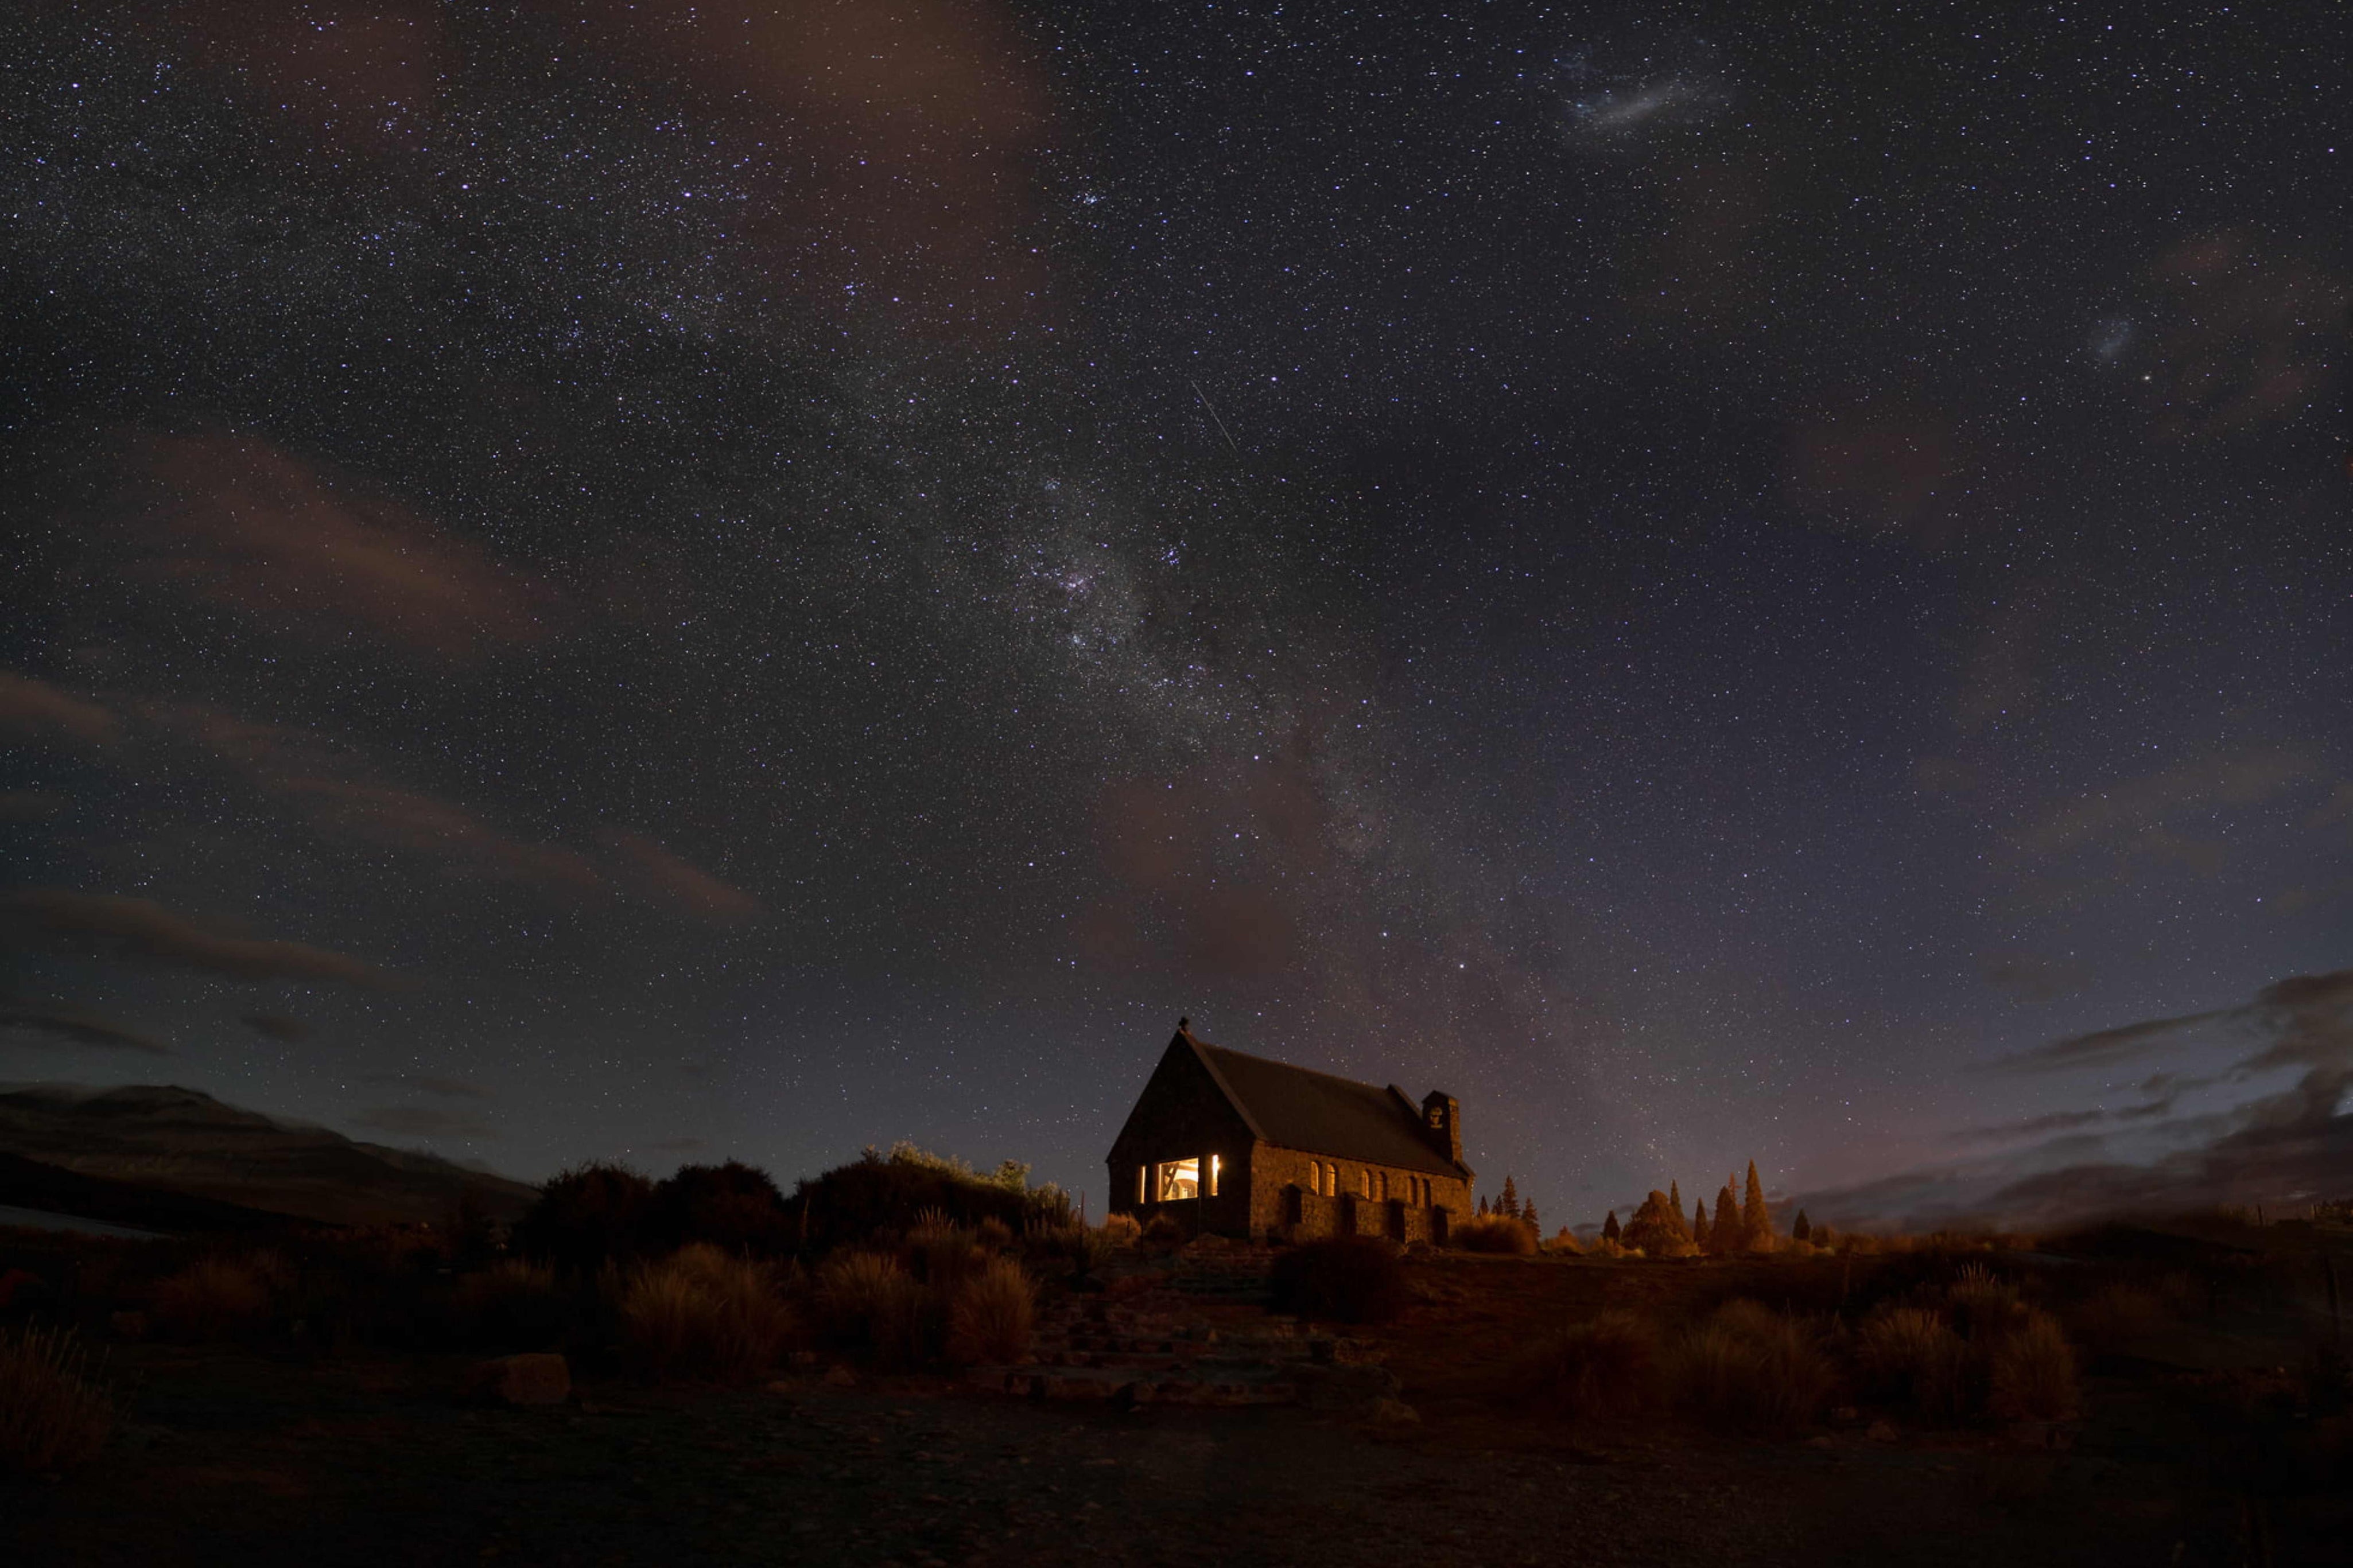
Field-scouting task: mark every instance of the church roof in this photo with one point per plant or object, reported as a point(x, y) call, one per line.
point(1318, 1113)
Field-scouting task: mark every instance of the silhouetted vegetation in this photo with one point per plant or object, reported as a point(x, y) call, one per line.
point(587, 1217)
point(53, 1415)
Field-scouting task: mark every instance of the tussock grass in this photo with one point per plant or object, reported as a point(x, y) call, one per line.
point(1122, 1227)
point(2034, 1371)
point(1912, 1355)
point(1605, 1367)
point(991, 1313)
point(214, 1298)
point(1494, 1233)
point(993, 1234)
point(867, 1302)
point(1750, 1367)
point(52, 1415)
point(700, 1314)
point(513, 1302)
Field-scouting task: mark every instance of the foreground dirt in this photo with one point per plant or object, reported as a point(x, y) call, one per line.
point(237, 1456)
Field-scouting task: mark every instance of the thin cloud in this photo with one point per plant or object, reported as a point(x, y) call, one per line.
point(2138, 808)
point(144, 929)
point(301, 550)
point(77, 1027)
point(420, 1121)
point(38, 711)
point(665, 877)
point(425, 1083)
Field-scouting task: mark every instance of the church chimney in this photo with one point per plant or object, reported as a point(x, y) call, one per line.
point(1441, 1122)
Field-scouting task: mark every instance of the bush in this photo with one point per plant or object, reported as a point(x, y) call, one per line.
point(1163, 1229)
point(587, 1217)
point(993, 1234)
point(1347, 1280)
point(733, 1207)
point(52, 1416)
point(1563, 1242)
point(212, 1298)
point(1494, 1233)
point(2033, 1373)
point(2113, 1315)
point(1761, 1371)
point(851, 1205)
point(701, 1313)
point(1981, 1302)
point(513, 1304)
point(990, 1314)
point(1912, 1354)
point(1605, 1367)
point(867, 1304)
point(1122, 1227)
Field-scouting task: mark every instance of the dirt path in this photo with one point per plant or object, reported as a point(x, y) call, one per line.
point(233, 1457)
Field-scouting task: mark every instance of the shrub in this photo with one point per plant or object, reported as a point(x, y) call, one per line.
point(1605, 1367)
point(513, 1304)
point(1981, 1301)
point(212, 1298)
point(1122, 1227)
point(990, 1313)
point(2113, 1315)
point(1563, 1242)
point(867, 1304)
point(1347, 1280)
point(1912, 1354)
point(942, 1257)
point(1761, 1371)
point(732, 1205)
point(587, 1217)
point(889, 1191)
point(1494, 1233)
point(2034, 1371)
point(993, 1234)
point(52, 1416)
point(701, 1313)
point(1162, 1229)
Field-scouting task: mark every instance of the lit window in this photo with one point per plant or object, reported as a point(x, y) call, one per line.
point(1142, 1176)
point(1217, 1169)
point(1363, 1183)
point(1331, 1180)
point(1179, 1180)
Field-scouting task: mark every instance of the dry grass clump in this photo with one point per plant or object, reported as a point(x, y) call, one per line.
point(1122, 1227)
point(214, 1298)
point(1981, 1303)
point(1761, 1371)
point(993, 1234)
point(52, 1416)
point(990, 1314)
point(1606, 1366)
point(2034, 1371)
point(1164, 1227)
point(2113, 1315)
point(1912, 1355)
point(512, 1302)
point(701, 1313)
point(1494, 1233)
point(867, 1302)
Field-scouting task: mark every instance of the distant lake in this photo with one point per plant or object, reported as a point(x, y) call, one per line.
point(41, 1219)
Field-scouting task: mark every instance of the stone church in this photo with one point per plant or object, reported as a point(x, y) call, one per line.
point(1241, 1146)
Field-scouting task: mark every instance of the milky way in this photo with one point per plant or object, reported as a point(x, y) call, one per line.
point(757, 583)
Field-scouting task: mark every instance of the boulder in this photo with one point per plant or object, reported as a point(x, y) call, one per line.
point(539, 1378)
point(1348, 1389)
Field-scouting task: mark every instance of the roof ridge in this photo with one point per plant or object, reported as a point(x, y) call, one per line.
point(1293, 1066)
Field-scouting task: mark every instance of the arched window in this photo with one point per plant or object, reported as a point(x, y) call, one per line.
point(1363, 1183)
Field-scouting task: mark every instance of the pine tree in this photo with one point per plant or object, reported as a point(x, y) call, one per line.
point(1528, 1217)
point(1756, 1223)
point(1482, 1205)
point(1723, 1236)
point(1801, 1231)
point(1675, 1196)
point(1699, 1225)
point(1609, 1226)
point(1509, 1207)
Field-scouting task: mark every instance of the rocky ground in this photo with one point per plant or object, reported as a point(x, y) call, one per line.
point(236, 1456)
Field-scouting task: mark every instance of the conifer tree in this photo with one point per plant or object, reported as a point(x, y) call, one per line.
point(1609, 1226)
point(1509, 1207)
point(1675, 1196)
point(1482, 1205)
point(1723, 1236)
point(1699, 1225)
point(1756, 1223)
point(1801, 1231)
point(1528, 1217)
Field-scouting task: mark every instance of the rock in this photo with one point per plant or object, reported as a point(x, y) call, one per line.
point(540, 1378)
point(1345, 1388)
point(841, 1377)
point(1880, 1432)
point(1392, 1414)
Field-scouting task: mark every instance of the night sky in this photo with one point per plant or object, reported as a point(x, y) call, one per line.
point(673, 581)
